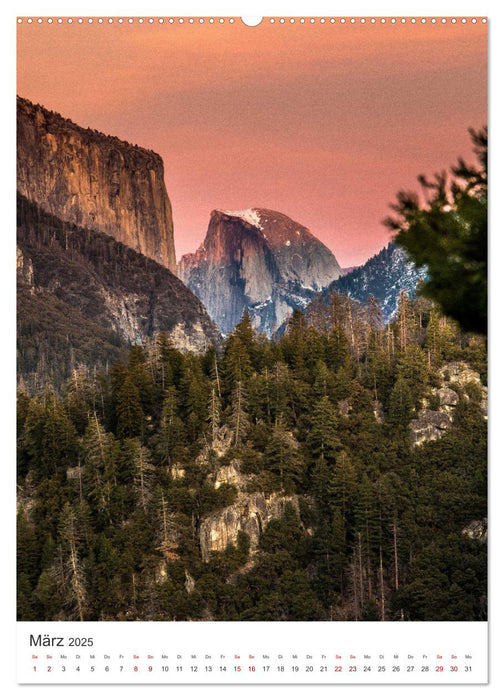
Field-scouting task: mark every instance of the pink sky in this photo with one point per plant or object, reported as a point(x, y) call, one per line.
point(322, 122)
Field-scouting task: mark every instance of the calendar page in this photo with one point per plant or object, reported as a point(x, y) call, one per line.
point(251, 349)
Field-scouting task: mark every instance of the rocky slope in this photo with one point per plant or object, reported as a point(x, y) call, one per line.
point(431, 424)
point(250, 513)
point(84, 298)
point(94, 181)
point(382, 276)
point(257, 260)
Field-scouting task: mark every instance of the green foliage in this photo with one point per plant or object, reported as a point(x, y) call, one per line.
point(447, 232)
point(323, 440)
point(447, 582)
point(401, 402)
point(130, 416)
point(169, 440)
point(120, 477)
point(283, 458)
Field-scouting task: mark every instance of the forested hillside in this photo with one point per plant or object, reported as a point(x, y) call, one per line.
point(275, 480)
point(84, 297)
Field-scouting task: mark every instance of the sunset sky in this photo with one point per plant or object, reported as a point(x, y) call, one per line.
point(322, 122)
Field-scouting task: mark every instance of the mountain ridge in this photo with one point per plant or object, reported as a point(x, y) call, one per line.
point(383, 276)
point(86, 277)
point(257, 260)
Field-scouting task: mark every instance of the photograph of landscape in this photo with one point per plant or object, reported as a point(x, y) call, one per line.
point(252, 320)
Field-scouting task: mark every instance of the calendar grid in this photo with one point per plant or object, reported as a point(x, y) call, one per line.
point(333, 653)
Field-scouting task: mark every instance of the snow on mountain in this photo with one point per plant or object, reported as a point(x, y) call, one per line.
point(258, 260)
point(382, 276)
point(250, 216)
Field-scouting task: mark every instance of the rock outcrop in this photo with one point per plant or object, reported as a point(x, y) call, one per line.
point(24, 269)
point(250, 513)
point(94, 181)
point(260, 261)
point(477, 530)
point(432, 424)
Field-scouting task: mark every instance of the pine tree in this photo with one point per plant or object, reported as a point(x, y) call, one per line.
point(168, 534)
point(319, 479)
point(367, 524)
point(413, 369)
point(401, 402)
point(259, 396)
point(59, 438)
point(128, 409)
point(80, 396)
point(293, 344)
point(237, 362)
point(281, 389)
point(169, 439)
point(169, 361)
point(30, 439)
point(338, 541)
point(239, 417)
point(325, 381)
point(214, 411)
point(374, 318)
point(28, 557)
point(143, 472)
point(323, 439)
point(447, 232)
point(282, 457)
point(405, 321)
point(441, 339)
point(244, 332)
point(214, 371)
point(141, 378)
point(337, 349)
point(343, 487)
point(194, 399)
point(68, 570)
point(99, 452)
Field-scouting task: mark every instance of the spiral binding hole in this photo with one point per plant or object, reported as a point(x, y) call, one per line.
point(251, 21)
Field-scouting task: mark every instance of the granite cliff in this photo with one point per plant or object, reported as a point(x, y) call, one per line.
point(94, 181)
point(95, 252)
point(257, 260)
point(453, 378)
point(250, 513)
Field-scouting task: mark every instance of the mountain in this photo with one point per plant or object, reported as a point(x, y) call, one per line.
point(94, 181)
point(382, 276)
point(95, 244)
point(257, 260)
point(84, 298)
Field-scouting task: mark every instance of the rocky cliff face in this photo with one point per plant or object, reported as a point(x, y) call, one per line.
point(250, 513)
point(432, 424)
point(260, 261)
point(94, 181)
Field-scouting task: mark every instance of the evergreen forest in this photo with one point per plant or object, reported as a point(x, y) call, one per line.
point(122, 475)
